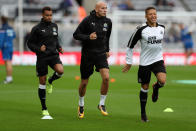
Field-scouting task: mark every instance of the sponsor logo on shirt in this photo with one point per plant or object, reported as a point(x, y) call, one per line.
point(154, 40)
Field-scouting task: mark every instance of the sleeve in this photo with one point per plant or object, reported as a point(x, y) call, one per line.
point(32, 41)
point(79, 34)
point(108, 36)
point(129, 56)
point(58, 46)
point(135, 37)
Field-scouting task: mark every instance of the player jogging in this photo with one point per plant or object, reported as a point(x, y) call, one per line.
point(43, 41)
point(150, 35)
point(94, 32)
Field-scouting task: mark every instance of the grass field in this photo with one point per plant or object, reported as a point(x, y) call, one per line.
point(20, 108)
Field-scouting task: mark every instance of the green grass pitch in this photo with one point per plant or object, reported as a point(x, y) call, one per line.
point(20, 108)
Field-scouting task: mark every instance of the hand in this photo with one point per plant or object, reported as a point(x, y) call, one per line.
point(126, 68)
point(93, 36)
point(43, 48)
point(61, 50)
point(107, 54)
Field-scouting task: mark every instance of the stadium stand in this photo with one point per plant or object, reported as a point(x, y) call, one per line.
point(191, 4)
point(32, 13)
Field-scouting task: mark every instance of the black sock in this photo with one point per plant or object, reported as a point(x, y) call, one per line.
point(53, 77)
point(143, 101)
point(42, 97)
point(158, 85)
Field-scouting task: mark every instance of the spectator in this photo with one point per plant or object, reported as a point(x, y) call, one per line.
point(80, 2)
point(173, 33)
point(164, 3)
point(126, 5)
point(36, 2)
point(65, 6)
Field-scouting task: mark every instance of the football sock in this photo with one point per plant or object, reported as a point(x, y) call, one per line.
point(54, 77)
point(42, 96)
point(9, 78)
point(158, 85)
point(102, 99)
point(143, 100)
point(81, 101)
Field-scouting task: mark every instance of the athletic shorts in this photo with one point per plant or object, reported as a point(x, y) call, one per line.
point(144, 72)
point(188, 46)
point(88, 63)
point(43, 63)
point(7, 53)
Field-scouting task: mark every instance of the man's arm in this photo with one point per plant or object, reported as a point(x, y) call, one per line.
point(79, 33)
point(108, 37)
point(58, 46)
point(129, 53)
point(32, 41)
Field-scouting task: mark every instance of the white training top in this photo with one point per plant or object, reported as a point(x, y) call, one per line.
point(151, 44)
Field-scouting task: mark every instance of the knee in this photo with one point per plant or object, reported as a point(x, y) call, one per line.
point(61, 72)
point(42, 80)
point(84, 84)
point(145, 87)
point(162, 82)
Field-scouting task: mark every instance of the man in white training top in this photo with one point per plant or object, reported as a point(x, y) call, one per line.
point(150, 35)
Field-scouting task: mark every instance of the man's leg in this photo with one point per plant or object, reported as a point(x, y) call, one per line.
point(144, 76)
point(58, 68)
point(161, 79)
point(104, 89)
point(7, 57)
point(82, 91)
point(143, 100)
point(42, 94)
point(8, 66)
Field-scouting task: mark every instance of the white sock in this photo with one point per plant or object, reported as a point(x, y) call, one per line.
point(102, 99)
point(42, 86)
point(81, 101)
point(146, 91)
point(9, 78)
point(189, 60)
point(58, 74)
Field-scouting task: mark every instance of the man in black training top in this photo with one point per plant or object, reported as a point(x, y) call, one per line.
point(94, 32)
point(43, 41)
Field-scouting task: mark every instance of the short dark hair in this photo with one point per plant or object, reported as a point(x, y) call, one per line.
point(4, 19)
point(149, 8)
point(46, 8)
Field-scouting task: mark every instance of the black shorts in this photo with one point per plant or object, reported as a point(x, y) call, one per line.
point(88, 63)
point(144, 72)
point(43, 63)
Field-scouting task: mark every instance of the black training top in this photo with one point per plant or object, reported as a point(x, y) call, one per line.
point(44, 33)
point(102, 26)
